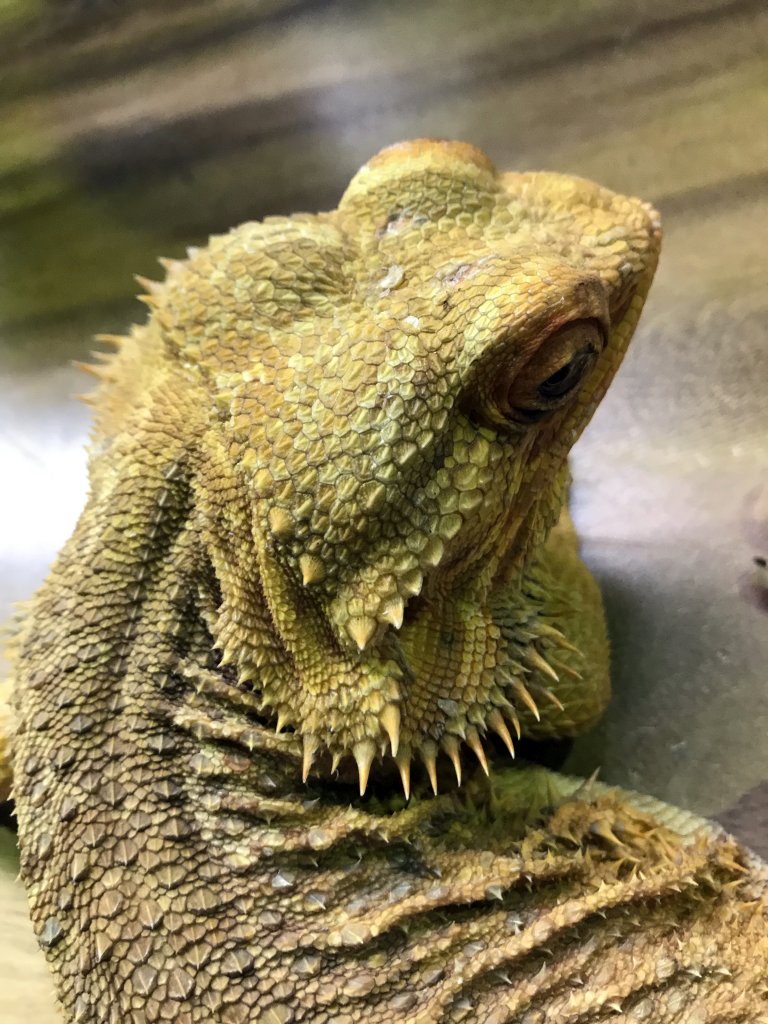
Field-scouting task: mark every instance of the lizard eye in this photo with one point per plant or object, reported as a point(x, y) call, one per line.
point(564, 380)
point(554, 372)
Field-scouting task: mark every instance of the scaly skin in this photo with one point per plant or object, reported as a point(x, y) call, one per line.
point(323, 481)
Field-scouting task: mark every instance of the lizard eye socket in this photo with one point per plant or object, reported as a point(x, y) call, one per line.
point(554, 372)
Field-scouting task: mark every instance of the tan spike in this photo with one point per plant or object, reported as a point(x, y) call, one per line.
point(545, 629)
point(475, 744)
point(282, 721)
point(393, 612)
point(335, 762)
point(361, 628)
point(412, 582)
point(512, 716)
point(153, 287)
point(110, 339)
point(451, 746)
point(499, 726)
point(428, 751)
point(548, 695)
point(585, 790)
point(548, 632)
point(562, 667)
point(522, 692)
point(364, 753)
point(390, 720)
point(280, 521)
point(148, 300)
point(227, 657)
point(604, 830)
point(535, 660)
point(312, 569)
point(404, 765)
point(310, 748)
point(89, 368)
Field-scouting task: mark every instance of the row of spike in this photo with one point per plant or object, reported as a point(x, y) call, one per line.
point(366, 751)
point(100, 368)
point(510, 694)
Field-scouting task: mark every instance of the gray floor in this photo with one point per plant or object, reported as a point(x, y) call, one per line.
point(101, 169)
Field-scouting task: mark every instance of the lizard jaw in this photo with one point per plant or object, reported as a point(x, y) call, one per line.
point(371, 708)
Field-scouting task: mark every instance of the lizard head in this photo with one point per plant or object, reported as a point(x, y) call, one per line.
point(396, 386)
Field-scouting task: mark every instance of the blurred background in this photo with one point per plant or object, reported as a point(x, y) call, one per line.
point(131, 130)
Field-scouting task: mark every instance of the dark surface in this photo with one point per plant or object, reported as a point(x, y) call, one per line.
point(129, 131)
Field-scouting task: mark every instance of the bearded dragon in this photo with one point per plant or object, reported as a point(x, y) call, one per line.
point(324, 581)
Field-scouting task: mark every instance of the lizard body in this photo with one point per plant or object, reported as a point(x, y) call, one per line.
point(325, 554)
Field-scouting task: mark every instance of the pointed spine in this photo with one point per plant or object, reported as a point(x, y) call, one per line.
point(390, 720)
point(535, 661)
point(361, 629)
point(475, 744)
point(451, 746)
point(522, 692)
point(310, 747)
point(404, 766)
point(89, 368)
point(392, 613)
point(499, 726)
point(428, 751)
point(150, 286)
point(312, 569)
point(364, 753)
point(548, 695)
